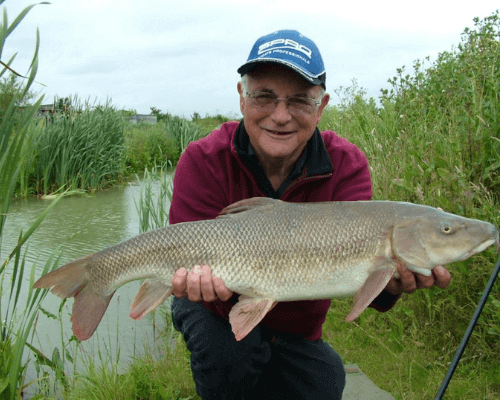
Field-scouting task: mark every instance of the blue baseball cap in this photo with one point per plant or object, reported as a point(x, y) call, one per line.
point(291, 49)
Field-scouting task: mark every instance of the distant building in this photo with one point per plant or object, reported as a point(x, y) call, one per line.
point(46, 109)
point(149, 119)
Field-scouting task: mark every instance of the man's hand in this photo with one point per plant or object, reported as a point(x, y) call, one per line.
point(199, 284)
point(409, 281)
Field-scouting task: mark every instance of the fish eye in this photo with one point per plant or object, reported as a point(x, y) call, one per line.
point(446, 229)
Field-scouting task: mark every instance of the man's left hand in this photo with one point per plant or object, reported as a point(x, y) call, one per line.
point(409, 281)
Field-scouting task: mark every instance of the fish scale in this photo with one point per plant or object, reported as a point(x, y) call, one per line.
point(269, 251)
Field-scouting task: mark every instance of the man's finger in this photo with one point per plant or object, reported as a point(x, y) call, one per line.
point(193, 284)
point(441, 276)
point(424, 281)
point(394, 286)
point(407, 279)
point(206, 284)
point(179, 283)
point(221, 290)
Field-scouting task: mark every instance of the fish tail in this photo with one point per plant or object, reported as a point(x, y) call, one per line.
point(150, 295)
point(91, 301)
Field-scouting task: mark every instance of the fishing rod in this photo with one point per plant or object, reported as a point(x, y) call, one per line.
point(468, 332)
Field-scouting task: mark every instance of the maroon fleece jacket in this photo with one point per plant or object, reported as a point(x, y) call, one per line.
point(211, 174)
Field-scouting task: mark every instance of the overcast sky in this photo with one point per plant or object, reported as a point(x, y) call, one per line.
point(182, 56)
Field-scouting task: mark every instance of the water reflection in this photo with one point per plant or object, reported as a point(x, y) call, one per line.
point(79, 226)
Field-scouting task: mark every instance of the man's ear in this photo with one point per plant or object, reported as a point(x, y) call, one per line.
point(242, 98)
point(324, 102)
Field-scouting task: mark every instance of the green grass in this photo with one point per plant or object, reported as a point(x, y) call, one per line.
point(148, 145)
point(209, 123)
point(167, 377)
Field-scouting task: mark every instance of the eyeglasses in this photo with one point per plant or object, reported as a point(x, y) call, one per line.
point(297, 105)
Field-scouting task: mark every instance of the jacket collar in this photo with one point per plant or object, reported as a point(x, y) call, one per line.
point(313, 161)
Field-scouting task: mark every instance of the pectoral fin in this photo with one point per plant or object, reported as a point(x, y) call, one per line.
point(150, 295)
point(372, 287)
point(247, 313)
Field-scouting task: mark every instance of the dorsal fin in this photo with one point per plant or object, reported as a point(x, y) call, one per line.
point(248, 205)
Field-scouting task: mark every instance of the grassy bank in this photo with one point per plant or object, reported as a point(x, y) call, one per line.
point(434, 140)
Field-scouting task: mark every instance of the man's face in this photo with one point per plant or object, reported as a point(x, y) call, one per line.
point(278, 135)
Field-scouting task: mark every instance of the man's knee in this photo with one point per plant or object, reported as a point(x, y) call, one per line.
point(221, 366)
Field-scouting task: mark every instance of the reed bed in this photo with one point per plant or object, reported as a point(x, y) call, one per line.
point(80, 150)
point(183, 131)
point(154, 200)
point(18, 131)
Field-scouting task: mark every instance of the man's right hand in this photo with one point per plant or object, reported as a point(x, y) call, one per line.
point(199, 284)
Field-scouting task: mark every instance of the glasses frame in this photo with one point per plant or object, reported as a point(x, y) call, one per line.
point(311, 100)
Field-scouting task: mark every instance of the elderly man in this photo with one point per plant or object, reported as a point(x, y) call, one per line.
point(276, 151)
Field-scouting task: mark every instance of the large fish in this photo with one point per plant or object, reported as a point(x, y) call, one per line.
point(269, 251)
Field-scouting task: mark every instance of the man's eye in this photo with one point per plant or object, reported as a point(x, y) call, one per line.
point(299, 101)
point(268, 97)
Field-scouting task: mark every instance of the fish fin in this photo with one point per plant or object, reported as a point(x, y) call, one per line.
point(247, 313)
point(246, 205)
point(88, 309)
point(418, 270)
point(150, 295)
point(372, 287)
point(68, 280)
point(90, 303)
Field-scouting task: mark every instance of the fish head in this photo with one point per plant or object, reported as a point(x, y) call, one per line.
point(439, 238)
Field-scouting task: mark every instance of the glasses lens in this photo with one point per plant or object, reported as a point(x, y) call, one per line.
point(263, 100)
point(301, 105)
point(268, 102)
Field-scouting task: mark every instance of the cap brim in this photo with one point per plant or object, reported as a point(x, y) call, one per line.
point(247, 67)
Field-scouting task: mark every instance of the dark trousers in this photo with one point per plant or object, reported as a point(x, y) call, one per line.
point(267, 364)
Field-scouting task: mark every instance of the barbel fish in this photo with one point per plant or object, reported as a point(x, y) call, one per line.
point(270, 251)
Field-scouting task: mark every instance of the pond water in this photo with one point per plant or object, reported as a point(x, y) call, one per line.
point(79, 226)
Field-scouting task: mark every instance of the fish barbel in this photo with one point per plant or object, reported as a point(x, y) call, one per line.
point(269, 251)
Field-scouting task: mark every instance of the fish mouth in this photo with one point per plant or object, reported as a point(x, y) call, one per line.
point(482, 246)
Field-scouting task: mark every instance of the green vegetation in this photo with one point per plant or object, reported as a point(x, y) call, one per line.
point(16, 319)
point(87, 148)
point(147, 146)
point(433, 139)
point(79, 150)
point(154, 202)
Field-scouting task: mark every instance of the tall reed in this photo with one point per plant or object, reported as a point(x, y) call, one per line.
point(16, 319)
point(80, 150)
point(154, 199)
point(183, 131)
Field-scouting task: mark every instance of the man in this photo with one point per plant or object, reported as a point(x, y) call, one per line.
point(276, 151)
